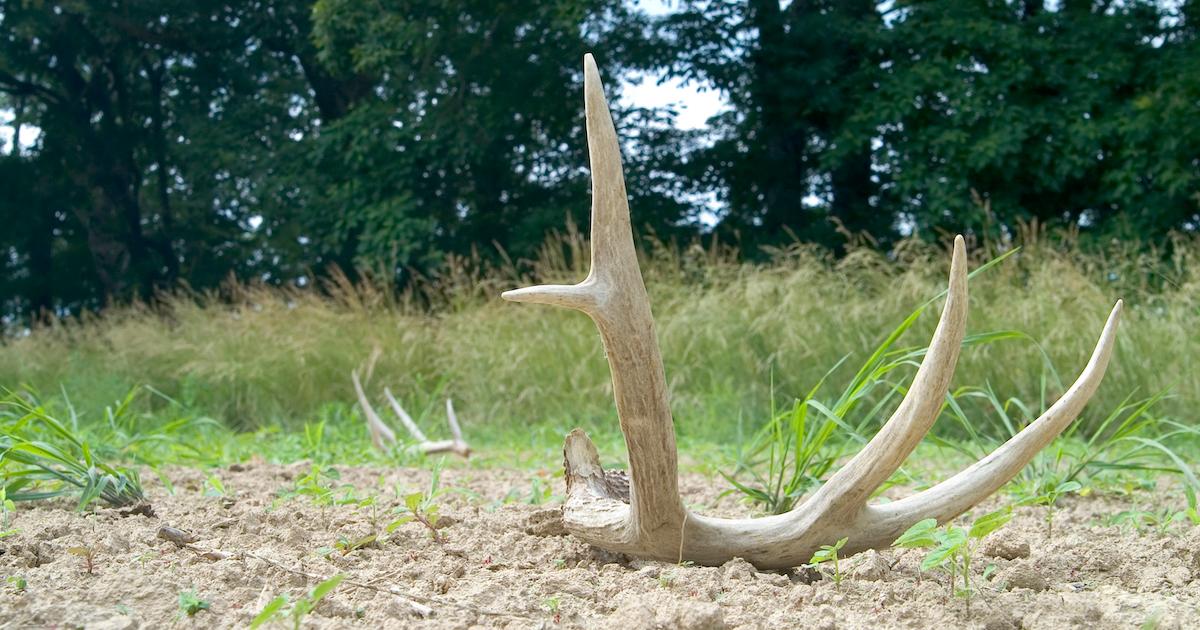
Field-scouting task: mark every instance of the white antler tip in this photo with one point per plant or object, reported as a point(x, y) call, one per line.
point(515, 295)
point(577, 296)
point(958, 261)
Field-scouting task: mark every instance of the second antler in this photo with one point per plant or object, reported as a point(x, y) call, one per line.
point(384, 438)
point(646, 517)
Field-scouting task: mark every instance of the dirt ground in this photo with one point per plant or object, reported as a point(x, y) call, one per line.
point(503, 564)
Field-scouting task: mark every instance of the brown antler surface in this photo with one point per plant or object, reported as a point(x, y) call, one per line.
point(644, 514)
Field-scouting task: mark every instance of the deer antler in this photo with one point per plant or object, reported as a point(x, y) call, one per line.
point(646, 517)
point(383, 437)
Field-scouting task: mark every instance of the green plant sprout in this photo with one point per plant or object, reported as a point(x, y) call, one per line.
point(318, 484)
point(7, 507)
point(88, 555)
point(1131, 438)
point(552, 605)
point(190, 603)
point(275, 609)
point(1160, 521)
point(213, 487)
point(828, 554)
point(951, 548)
point(17, 583)
point(1046, 493)
point(347, 545)
point(421, 507)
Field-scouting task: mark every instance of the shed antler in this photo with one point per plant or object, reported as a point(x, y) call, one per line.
point(646, 516)
point(383, 437)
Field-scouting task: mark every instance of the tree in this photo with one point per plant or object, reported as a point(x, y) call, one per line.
point(792, 76)
point(473, 138)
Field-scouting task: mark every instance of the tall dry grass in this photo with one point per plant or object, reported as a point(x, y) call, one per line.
point(256, 355)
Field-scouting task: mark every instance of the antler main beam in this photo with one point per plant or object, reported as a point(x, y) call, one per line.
point(645, 516)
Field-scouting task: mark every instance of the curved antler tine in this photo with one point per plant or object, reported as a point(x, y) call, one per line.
point(958, 493)
point(850, 488)
point(405, 419)
point(382, 435)
point(612, 242)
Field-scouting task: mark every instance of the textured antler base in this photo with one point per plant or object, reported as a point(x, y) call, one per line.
point(644, 516)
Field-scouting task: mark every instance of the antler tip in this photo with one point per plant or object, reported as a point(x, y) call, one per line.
point(958, 262)
point(576, 296)
point(1115, 315)
point(512, 295)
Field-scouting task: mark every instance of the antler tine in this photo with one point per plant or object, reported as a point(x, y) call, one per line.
point(405, 419)
point(959, 493)
point(848, 490)
point(614, 296)
point(382, 436)
point(460, 445)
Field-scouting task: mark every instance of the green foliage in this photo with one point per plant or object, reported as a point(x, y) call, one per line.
point(422, 507)
point(7, 507)
point(270, 361)
point(1134, 437)
point(87, 555)
point(16, 582)
point(828, 554)
point(797, 453)
point(540, 492)
point(277, 609)
point(1160, 521)
point(951, 548)
point(214, 487)
point(43, 457)
point(980, 116)
point(320, 485)
point(1046, 494)
point(190, 603)
point(297, 142)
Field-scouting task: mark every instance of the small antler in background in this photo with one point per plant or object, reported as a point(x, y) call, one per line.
point(384, 438)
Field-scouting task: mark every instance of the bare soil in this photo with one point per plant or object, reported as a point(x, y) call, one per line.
point(506, 564)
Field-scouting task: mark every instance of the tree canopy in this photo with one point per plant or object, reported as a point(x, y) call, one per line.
point(185, 142)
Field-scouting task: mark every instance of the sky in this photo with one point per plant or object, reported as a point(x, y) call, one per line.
point(694, 104)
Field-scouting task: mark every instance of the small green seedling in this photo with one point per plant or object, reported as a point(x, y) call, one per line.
point(1141, 520)
point(666, 579)
point(7, 507)
point(828, 555)
point(88, 555)
point(347, 545)
point(275, 609)
point(213, 487)
point(551, 604)
point(190, 603)
point(951, 547)
point(421, 507)
point(320, 488)
point(1191, 512)
point(418, 507)
point(1047, 493)
point(17, 583)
